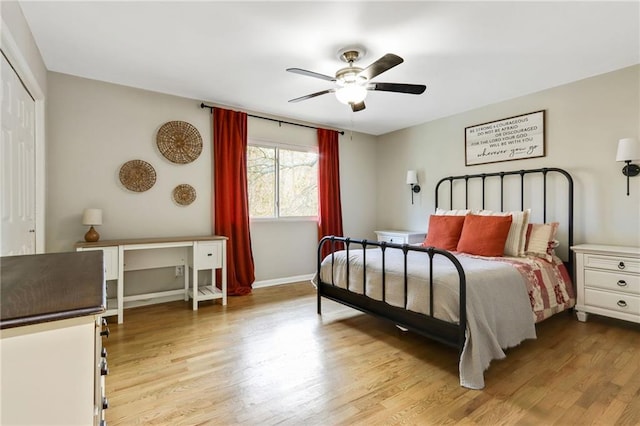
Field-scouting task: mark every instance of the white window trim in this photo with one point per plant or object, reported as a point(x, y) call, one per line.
point(291, 147)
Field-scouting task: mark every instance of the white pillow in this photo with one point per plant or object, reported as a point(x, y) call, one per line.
point(441, 212)
point(514, 245)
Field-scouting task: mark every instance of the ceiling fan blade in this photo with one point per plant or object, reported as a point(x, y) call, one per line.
point(412, 89)
point(312, 95)
point(357, 107)
point(383, 64)
point(311, 74)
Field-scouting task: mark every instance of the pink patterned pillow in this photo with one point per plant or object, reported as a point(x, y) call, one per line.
point(539, 238)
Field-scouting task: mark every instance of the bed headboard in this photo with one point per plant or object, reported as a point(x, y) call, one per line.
point(536, 187)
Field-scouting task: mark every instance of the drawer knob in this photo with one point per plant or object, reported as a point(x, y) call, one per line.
point(622, 283)
point(622, 303)
point(105, 403)
point(105, 332)
point(621, 265)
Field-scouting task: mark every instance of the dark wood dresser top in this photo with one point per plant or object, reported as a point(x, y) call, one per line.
point(47, 287)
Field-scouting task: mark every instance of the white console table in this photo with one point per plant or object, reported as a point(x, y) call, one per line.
point(192, 253)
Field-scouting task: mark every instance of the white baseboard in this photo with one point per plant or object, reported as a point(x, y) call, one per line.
point(279, 281)
point(152, 300)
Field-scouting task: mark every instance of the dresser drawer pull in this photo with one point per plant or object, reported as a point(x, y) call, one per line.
point(105, 332)
point(622, 283)
point(622, 303)
point(105, 403)
point(621, 265)
point(209, 254)
point(104, 369)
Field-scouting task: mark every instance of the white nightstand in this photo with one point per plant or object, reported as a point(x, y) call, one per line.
point(401, 237)
point(608, 281)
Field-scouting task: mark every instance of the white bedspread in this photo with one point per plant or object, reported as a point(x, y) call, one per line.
point(498, 307)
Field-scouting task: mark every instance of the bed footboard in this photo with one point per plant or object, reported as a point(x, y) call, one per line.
point(452, 334)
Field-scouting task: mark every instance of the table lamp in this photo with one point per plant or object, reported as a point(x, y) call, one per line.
point(92, 217)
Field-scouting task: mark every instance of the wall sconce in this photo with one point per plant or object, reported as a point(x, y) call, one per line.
point(92, 217)
point(629, 150)
point(412, 179)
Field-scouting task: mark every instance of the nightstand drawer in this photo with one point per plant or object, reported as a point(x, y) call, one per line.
point(391, 239)
point(613, 301)
point(612, 263)
point(400, 237)
point(626, 283)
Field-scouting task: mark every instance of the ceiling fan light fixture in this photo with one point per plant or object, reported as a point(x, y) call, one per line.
point(351, 93)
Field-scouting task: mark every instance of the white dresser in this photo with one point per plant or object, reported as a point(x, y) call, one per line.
point(52, 362)
point(400, 237)
point(608, 281)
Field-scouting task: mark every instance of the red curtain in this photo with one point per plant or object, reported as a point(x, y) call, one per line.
point(231, 200)
point(329, 206)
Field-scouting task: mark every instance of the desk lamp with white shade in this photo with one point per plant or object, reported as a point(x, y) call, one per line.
point(92, 217)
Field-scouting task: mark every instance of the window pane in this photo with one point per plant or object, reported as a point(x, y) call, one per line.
point(298, 183)
point(261, 175)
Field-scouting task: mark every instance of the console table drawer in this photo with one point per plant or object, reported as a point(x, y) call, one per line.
point(625, 283)
point(208, 255)
point(613, 301)
point(612, 263)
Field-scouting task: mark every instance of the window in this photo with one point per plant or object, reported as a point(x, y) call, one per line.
point(283, 182)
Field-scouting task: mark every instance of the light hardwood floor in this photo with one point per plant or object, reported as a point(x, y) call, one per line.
point(268, 358)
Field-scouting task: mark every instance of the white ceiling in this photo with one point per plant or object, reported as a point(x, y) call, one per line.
point(469, 54)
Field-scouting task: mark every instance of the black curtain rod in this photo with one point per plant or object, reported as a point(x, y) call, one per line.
point(202, 105)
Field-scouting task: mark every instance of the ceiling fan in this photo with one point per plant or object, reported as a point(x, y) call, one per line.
point(354, 82)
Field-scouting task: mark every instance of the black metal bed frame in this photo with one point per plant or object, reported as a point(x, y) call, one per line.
point(451, 334)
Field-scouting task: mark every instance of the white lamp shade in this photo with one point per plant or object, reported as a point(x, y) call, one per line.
point(628, 150)
point(351, 93)
point(92, 217)
point(412, 177)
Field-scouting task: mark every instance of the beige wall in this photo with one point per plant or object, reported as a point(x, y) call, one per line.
point(95, 127)
point(584, 121)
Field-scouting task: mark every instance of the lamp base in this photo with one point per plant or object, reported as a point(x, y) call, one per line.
point(92, 235)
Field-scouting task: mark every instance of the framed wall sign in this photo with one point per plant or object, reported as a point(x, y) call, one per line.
point(513, 138)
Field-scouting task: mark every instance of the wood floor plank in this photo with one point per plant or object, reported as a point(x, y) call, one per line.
point(269, 359)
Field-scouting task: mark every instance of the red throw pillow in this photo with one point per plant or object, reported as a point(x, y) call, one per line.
point(444, 232)
point(484, 235)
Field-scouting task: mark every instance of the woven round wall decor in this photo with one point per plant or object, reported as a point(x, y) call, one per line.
point(137, 175)
point(179, 142)
point(184, 194)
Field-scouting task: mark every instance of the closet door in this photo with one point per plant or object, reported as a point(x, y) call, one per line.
point(17, 166)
